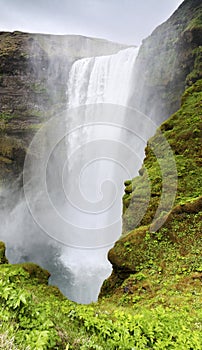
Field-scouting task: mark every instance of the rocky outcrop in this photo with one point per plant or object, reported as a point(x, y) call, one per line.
point(168, 60)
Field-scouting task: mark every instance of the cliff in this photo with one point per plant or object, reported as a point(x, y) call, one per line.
point(168, 61)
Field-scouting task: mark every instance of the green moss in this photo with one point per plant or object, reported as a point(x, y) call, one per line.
point(3, 259)
point(183, 132)
point(173, 251)
point(196, 73)
point(38, 88)
point(168, 257)
point(128, 189)
point(196, 23)
point(33, 316)
point(6, 116)
point(36, 272)
point(127, 182)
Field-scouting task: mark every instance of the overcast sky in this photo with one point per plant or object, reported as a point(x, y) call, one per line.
point(126, 21)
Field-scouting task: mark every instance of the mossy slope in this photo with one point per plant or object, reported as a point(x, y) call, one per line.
point(165, 266)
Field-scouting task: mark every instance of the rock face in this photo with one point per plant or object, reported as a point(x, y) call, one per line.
point(167, 62)
point(33, 82)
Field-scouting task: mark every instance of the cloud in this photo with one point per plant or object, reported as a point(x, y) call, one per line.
point(126, 21)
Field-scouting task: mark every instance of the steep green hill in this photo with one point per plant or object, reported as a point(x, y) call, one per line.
point(166, 264)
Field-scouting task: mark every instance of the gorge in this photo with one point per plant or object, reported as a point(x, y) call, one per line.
point(126, 116)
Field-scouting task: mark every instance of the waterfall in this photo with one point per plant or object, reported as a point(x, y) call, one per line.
point(104, 79)
point(94, 80)
point(70, 215)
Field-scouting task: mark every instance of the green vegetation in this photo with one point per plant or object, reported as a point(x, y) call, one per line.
point(38, 88)
point(196, 73)
point(164, 268)
point(196, 23)
point(36, 316)
point(6, 116)
point(183, 133)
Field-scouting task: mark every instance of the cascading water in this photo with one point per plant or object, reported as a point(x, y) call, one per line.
point(95, 80)
point(104, 79)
